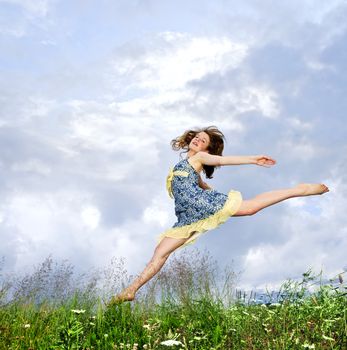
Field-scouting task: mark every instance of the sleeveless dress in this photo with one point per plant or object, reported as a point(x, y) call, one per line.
point(197, 210)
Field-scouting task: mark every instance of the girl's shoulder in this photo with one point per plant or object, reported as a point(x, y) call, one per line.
point(195, 163)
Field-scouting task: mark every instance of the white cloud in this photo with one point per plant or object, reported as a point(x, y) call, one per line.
point(22, 15)
point(39, 106)
point(35, 215)
point(37, 8)
point(298, 123)
point(32, 165)
point(167, 66)
point(90, 216)
point(16, 32)
point(316, 65)
point(174, 59)
point(302, 149)
point(159, 212)
point(254, 98)
point(290, 22)
point(318, 11)
point(56, 224)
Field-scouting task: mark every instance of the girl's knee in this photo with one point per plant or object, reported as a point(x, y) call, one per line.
point(159, 258)
point(167, 246)
point(249, 212)
point(160, 253)
point(253, 210)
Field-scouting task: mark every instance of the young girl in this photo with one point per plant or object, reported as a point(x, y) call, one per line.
point(198, 207)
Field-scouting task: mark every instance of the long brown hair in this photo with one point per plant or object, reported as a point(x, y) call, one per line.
point(215, 146)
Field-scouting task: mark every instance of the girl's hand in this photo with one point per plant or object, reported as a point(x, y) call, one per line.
point(263, 161)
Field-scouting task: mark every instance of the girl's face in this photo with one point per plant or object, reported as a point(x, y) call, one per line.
point(200, 142)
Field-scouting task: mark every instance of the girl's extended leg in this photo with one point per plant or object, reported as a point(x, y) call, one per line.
point(166, 246)
point(263, 200)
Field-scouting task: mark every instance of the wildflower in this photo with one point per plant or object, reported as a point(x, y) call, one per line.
point(145, 346)
point(78, 311)
point(327, 338)
point(265, 325)
point(171, 342)
point(27, 325)
point(308, 346)
point(105, 335)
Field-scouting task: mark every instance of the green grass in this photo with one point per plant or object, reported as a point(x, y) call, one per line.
point(191, 313)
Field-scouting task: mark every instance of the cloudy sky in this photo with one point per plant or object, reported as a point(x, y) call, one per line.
point(92, 92)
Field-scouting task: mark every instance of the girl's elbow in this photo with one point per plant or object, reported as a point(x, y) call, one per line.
point(219, 161)
point(222, 161)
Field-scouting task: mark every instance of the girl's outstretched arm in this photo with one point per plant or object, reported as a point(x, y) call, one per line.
point(209, 159)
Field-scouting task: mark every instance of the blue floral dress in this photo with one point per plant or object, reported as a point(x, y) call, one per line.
point(197, 210)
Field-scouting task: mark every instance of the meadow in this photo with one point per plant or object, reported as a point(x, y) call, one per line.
point(190, 304)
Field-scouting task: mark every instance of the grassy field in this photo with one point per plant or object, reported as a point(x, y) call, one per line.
point(183, 307)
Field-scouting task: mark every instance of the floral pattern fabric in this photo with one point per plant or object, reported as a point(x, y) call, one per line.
point(192, 203)
point(197, 210)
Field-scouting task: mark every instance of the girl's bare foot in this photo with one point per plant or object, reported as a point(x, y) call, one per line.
point(312, 189)
point(125, 295)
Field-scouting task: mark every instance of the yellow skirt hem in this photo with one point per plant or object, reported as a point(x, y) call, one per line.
point(195, 229)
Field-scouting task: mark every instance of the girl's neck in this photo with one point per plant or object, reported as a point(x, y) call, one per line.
point(190, 153)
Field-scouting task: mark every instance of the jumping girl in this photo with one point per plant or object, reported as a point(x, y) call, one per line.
point(200, 208)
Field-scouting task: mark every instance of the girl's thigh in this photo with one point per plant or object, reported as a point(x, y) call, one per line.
point(248, 207)
point(168, 244)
